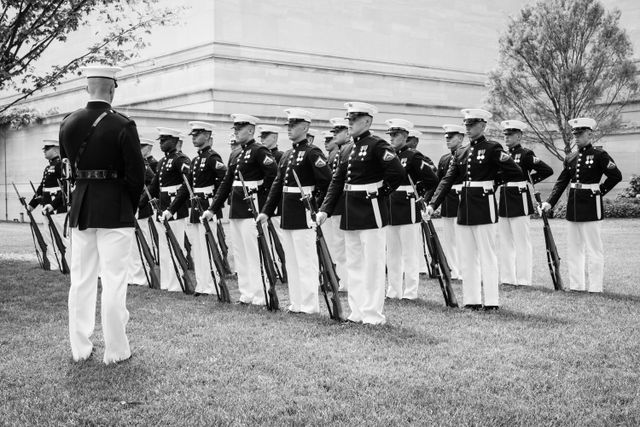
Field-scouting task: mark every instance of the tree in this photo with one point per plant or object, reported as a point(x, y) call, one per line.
point(562, 59)
point(29, 27)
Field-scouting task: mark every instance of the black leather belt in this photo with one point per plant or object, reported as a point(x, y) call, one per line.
point(96, 174)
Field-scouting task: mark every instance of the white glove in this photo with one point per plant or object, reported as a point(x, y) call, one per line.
point(47, 208)
point(321, 217)
point(426, 214)
point(29, 208)
point(544, 206)
point(207, 215)
point(262, 217)
point(166, 215)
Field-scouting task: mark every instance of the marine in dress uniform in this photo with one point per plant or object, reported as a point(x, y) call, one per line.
point(367, 176)
point(338, 149)
point(515, 207)
point(137, 274)
point(582, 172)
point(49, 194)
point(403, 232)
point(269, 138)
point(311, 135)
point(205, 175)
point(454, 137)
point(164, 186)
point(104, 151)
point(258, 168)
point(412, 142)
point(478, 164)
point(299, 239)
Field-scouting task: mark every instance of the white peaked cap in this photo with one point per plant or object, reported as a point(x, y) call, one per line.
point(50, 143)
point(360, 107)
point(313, 132)
point(327, 134)
point(513, 124)
point(476, 113)
point(268, 129)
point(244, 118)
point(415, 133)
point(399, 124)
point(102, 71)
point(454, 129)
point(146, 141)
point(298, 114)
point(202, 126)
point(169, 132)
point(339, 122)
point(582, 122)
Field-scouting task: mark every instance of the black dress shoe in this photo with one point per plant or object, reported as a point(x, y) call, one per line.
point(491, 308)
point(474, 307)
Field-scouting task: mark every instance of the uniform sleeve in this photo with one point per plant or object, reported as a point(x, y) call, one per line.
point(217, 165)
point(58, 200)
point(37, 197)
point(336, 187)
point(560, 185)
point(275, 192)
point(148, 179)
point(542, 170)
point(508, 169)
point(225, 186)
point(182, 195)
point(393, 172)
point(422, 174)
point(611, 171)
point(445, 183)
point(267, 165)
point(321, 173)
point(133, 163)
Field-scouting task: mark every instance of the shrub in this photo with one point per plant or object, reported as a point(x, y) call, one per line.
point(613, 208)
point(633, 190)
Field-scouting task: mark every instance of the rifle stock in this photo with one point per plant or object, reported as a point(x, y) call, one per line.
point(57, 242)
point(553, 258)
point(179, 260)
point(266, 262)
point(146, 255)
point(224, 248)
point(39, 243)
point(279, 250)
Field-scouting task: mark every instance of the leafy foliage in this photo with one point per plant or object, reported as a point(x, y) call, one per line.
point(561, 59)
point(29, 28)
point(633, 190)
point(611, 208)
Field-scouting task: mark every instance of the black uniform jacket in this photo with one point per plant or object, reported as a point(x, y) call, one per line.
point(256, 163)
point(277, 155)
point(114, 146)
point(370, 160)
point(310, 165)
point(49, 191)
point(207, 170)
point(144, 208)
point(171, 168)
point(402, 202)
point(340, 154)
point(586, 166)
point(477, 164)
point(518, 201)
point(153, 164)
point(449, 208)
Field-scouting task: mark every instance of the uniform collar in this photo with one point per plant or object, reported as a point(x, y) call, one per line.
point(98, 104)
point(170, 153)
point(204, 150)
point(514, 148)
point(55, 160)
point(586, 148)
point(359, 138)
point(300, 143)
point(248, 144)
point(402, 149)
point(481, 138)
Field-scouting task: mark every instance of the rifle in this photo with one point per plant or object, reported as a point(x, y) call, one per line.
point(266, 262)
point(146, 255)
point(67, 188)
point(56, 239)
point(553, 259)
point(187, 248)
point(275, 243)
point(224, 249)
point(154, 238)
point(329, 282)
point(429, 254)
point(38, 240)
point(175, 251)
point(222, 291)
point(441, 266)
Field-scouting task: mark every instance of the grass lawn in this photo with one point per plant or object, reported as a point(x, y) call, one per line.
point(545, 358)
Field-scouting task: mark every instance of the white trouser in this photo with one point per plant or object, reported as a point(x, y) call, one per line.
point(276, 225)
point(365, 265)
point(584, 244)
point(52, 249)
point(244, 235)
point(335, 242)
point(168, 278)
point(403, 252)
point(200, 256)
point(479, 263)
point(449, 245)
point(302, 268)
point(515, 250)
point(136, 274)
point(104, 252)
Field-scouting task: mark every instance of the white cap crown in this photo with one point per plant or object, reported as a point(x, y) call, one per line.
point(146, 141)
point(475, 114)
point(415, 133)
point(360, 107)
point(298, 114)
point(201, 126)
point(513, 124)
point(402, 124)
point(582, 122)
point(50, 143)
point(454, 129)
point(268, 129)
point(339, 122)
point(169, 132)
point(244, 118)
point(102, 71)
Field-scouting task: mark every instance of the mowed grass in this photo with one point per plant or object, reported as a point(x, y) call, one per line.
point(546, 358)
